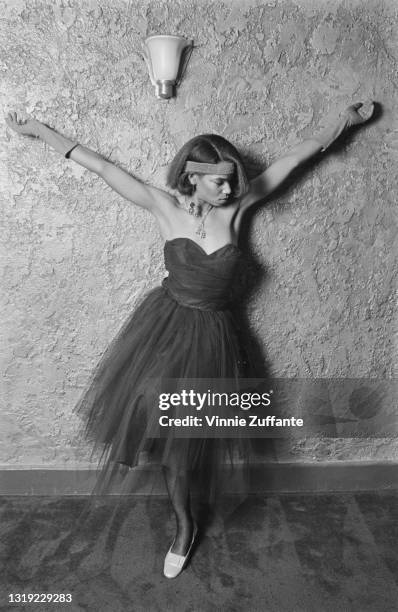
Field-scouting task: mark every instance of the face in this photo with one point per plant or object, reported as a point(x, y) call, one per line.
point(212, 188)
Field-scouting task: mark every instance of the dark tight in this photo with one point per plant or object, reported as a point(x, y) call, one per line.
point(178, 487)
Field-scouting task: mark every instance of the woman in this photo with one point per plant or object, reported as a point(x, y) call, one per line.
point(185, 328)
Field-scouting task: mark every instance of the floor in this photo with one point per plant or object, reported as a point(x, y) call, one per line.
point(277, 553)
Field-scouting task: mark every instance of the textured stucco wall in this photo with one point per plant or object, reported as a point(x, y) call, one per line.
point(76, 256)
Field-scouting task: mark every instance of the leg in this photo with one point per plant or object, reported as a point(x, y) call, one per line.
point(178, 489)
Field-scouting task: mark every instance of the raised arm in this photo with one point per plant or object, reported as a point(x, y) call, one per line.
point(153, 199)
point(122, 182)
point(277, 173)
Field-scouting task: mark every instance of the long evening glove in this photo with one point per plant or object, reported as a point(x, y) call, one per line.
point(347, 119)
point(58, 142)
point(36, 129)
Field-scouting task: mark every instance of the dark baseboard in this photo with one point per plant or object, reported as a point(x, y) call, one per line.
point(270, 477)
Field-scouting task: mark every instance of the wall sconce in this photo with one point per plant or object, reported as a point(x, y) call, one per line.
point(166, 58)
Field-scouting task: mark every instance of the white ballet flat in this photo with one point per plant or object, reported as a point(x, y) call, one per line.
point(174, 564)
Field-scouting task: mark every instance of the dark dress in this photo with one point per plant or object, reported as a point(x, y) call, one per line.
point(184, 329)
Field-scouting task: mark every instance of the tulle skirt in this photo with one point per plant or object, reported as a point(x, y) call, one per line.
point(163, 340)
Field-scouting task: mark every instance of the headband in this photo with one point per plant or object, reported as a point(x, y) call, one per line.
point(220, 168)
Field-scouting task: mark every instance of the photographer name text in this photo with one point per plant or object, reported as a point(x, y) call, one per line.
point(216, 421)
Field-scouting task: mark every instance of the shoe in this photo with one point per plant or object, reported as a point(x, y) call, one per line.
point(174, 564)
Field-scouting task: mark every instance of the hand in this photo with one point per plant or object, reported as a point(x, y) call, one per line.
point(346, 120)
point(26, 128)
point(354, 117)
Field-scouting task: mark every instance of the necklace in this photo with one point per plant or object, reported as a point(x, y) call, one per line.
point(196, 210)
point(200, 230)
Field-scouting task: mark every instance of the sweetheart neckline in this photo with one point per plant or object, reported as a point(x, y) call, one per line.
point(227, 244)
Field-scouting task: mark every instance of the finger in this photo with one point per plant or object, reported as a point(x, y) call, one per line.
point(369, 114)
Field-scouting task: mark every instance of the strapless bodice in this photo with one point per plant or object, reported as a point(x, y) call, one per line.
point(198, 279)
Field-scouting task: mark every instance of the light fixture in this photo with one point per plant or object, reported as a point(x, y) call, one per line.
point(166, 58)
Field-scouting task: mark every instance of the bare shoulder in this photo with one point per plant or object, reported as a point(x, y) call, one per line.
point(162, 202)
point(257, 191)
point(241, 206)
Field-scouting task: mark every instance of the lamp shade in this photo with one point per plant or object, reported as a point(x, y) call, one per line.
point(163, 55)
